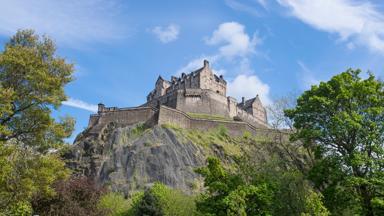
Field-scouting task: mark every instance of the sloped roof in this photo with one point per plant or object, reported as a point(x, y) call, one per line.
point(248, 103)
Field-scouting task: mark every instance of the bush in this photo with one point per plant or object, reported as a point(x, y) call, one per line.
point(114, 203)
point(76, 196)
point(162, 200)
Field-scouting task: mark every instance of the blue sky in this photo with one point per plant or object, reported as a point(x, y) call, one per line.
point(265, 47)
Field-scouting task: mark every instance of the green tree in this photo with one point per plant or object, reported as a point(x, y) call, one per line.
point(342, 121)
point(32, 80)
point(228, 194)
point(162, 200)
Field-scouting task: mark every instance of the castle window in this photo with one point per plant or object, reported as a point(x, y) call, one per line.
point(218, 92)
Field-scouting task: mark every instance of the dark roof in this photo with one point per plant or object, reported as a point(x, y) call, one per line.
point(248, 103)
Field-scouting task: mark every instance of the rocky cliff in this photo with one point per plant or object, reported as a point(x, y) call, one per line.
point(130, 158)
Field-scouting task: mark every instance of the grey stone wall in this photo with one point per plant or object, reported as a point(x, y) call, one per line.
point(176, 117)
point(125, 116)
point(201, 101)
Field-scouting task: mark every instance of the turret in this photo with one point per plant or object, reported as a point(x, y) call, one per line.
point(206, 63)
point(100, 108)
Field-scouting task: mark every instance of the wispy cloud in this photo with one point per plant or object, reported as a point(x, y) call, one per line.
point(167, 34)
point(70, 23)
point(241, 6)
point(307, 78)
point(356, 22)
point(80, 104)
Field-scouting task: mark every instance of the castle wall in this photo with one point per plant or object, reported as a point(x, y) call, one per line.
point(126, 116)
point(172, 116)
point(167, 115)
point(201, 101)
point(254, 120)
point(232, 106)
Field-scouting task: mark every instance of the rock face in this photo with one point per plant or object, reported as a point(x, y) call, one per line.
point(131, 158)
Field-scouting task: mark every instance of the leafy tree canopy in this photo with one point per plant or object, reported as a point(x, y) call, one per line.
point(342, 121)
point(32, 80)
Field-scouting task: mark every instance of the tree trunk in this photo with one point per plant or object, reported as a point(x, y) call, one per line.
point(366, 200)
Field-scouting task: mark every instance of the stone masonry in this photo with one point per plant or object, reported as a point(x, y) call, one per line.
point(200, 92)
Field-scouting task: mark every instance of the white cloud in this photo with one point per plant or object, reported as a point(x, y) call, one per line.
point(356, 22)
point(235, 45)
point(249, 86)
point(196, 64)
point(167, 34)
point(80, 104)
point(233, 40)
point(70, 22)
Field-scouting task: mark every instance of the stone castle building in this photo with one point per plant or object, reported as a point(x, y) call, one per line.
point(179, 100)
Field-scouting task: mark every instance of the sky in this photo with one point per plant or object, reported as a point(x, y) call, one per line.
point(269, 48)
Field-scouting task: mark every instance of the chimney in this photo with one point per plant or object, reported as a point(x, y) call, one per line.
point(243, 100)
point(206, 63)
point(100, 108)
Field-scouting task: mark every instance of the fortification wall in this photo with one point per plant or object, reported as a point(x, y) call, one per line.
point(254, 120)
point(171, 116)
point(167, 115)
point(202, 101)
point(124, 116)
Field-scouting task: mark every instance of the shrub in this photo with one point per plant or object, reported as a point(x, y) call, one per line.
point(75, 196)
point(114, 203)
point(162, 200)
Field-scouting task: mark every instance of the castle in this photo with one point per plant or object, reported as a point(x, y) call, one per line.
point(189, 101)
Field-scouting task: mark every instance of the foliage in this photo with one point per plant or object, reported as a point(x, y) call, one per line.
point(134, 203)
point(32, 80)
point(162, 200)
point(252, 189)
point(75, 196)
point(149, 205)
point(114, 203)
point(25, 174)
point(138, 129)
point(342, 122)
point(227, 193)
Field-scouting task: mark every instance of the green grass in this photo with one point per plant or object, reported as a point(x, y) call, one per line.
point(209, 116)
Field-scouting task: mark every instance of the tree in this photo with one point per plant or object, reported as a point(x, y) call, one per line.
point(162, 200)
point(32, 80)
point(276, 117)
point(342, 121)
point(75, 196)
point(227, 193)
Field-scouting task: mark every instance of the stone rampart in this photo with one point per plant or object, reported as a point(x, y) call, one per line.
point(123, 116)
point(168, 115)
point(202, 101)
